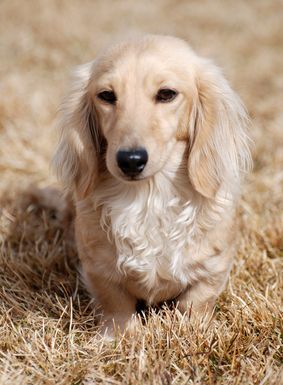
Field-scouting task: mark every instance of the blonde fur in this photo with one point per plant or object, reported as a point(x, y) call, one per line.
point(169, 234)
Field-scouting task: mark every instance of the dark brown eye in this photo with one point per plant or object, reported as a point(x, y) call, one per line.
point(107, 96)
point(166, 95)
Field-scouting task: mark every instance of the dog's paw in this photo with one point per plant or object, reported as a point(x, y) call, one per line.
point(116, 327)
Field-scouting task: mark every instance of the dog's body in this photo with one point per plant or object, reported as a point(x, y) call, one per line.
point(153, 148)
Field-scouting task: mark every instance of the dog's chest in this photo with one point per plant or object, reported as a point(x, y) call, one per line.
point(152, 230)
point(152, 249)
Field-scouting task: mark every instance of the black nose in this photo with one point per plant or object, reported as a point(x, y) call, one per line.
point(132, 162)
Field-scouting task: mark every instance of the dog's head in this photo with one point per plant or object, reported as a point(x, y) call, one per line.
point(131, 105)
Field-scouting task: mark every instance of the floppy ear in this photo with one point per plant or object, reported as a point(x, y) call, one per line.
point(219, 151)
point(77, 155)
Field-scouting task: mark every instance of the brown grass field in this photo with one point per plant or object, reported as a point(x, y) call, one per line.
point(47, 329)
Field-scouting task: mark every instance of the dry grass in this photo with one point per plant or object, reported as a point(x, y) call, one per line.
point(47, 330)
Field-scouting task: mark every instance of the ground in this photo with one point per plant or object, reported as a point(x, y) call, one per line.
point(47, 329)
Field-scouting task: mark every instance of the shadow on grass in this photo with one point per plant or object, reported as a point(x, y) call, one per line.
point(38, 259)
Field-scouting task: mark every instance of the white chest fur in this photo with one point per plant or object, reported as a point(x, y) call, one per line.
point(151, 234)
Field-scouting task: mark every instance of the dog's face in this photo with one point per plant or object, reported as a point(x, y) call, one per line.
point(131, 105)
point(142, 100)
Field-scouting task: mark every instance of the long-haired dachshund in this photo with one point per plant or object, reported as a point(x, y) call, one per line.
point(153, 149)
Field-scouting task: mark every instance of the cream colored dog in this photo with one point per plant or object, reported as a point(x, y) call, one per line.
point(153, 147)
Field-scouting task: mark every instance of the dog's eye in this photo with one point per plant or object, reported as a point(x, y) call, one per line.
point(107, 96)
point(166, 95)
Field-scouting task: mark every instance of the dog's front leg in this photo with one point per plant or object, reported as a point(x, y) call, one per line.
point(198, 301)
point(116, 307)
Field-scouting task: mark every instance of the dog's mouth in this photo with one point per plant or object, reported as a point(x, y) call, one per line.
point(133, 178)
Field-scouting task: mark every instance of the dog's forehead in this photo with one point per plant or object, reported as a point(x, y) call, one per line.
point(157, 58)
point(154, 46)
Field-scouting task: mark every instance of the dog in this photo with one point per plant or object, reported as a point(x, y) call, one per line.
point(153, 149)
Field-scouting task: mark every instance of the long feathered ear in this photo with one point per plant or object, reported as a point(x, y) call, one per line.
point(77, 155)
point(219, 152)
